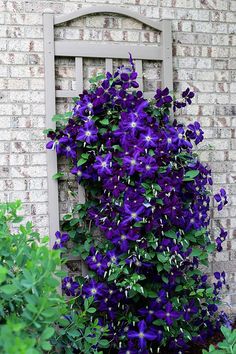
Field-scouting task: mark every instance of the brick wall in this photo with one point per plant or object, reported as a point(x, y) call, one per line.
point(204, 49)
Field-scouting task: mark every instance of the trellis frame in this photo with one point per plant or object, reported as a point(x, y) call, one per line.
point(80, 49)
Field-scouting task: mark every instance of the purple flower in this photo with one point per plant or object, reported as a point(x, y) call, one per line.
point(97, 262)
point(187, 96)
point(114, 185)
point(122, 236)
point(147, 167)
point(131, 163)
point(149, 138)
point(149, 312)
point(189, 309)
point(195, 132)
point(162, 97)
point(88, 132)
point(103, 164)
point(92, 288)
point(161, 298)
point(221, 199)
point(69, 286)
point(61, 240)
point(169, 315)
point(132, 214)
point(132, 123)
point(220, 277)
point(221, 239)
point(142, 334)
point(112, 257)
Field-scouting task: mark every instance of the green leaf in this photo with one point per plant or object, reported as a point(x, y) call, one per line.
point(81, 162)
point(161, 258)
point(171, 234)
point(104, 343)
point(3, 273)
point(196, 252)
point(104, 121)
point(58, 175)
point(46, 345)
point(61, 117)
point(9, 289)
point(46, 131)
point(85, 156)
point(47, 333)
point(190, 175)
point(91, 310)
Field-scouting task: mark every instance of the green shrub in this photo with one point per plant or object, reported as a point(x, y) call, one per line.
point(29, 300)
point(227, 346)
point(34, 317)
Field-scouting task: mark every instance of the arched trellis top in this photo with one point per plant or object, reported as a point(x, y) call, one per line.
point(158, 25)
point(109, 51)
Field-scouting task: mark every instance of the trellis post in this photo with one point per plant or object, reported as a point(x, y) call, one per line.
point(50, 100)
point(80, 49)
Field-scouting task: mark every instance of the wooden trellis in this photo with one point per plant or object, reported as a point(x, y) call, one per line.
point(82, 49)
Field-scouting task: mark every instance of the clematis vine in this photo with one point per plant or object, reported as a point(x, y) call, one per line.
point(143, 232)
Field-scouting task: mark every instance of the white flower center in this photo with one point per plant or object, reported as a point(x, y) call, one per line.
point(133, 162)
point(134, 215)
point(88, 133)
point(104, 164)
point(133, 125)
point(148, 138)
point(93, 291)
point(141, 335)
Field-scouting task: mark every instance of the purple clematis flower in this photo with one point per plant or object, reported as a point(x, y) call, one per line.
point(92, 288)
point(221, 239)
point(112, 257)
point(161, 298)
point(149, 139)
point(147, 167)
point(69, 286)
point(221, 199)
point(131, 163)
point(88, 133)
point(97, 262)
point(162, 97)
point(122, 236)
point(103, 165)
point(195, 132)
point(189, 310)
point(132, 214)
point(142, 334)
point(61, 240)
point(169, 315)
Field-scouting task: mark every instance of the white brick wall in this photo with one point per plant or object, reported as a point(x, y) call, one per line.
point(204, 39)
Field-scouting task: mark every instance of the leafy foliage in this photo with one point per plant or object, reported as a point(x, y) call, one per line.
point(34, 317)
point(227, 346)
point(143, 231)
point(28, 296)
